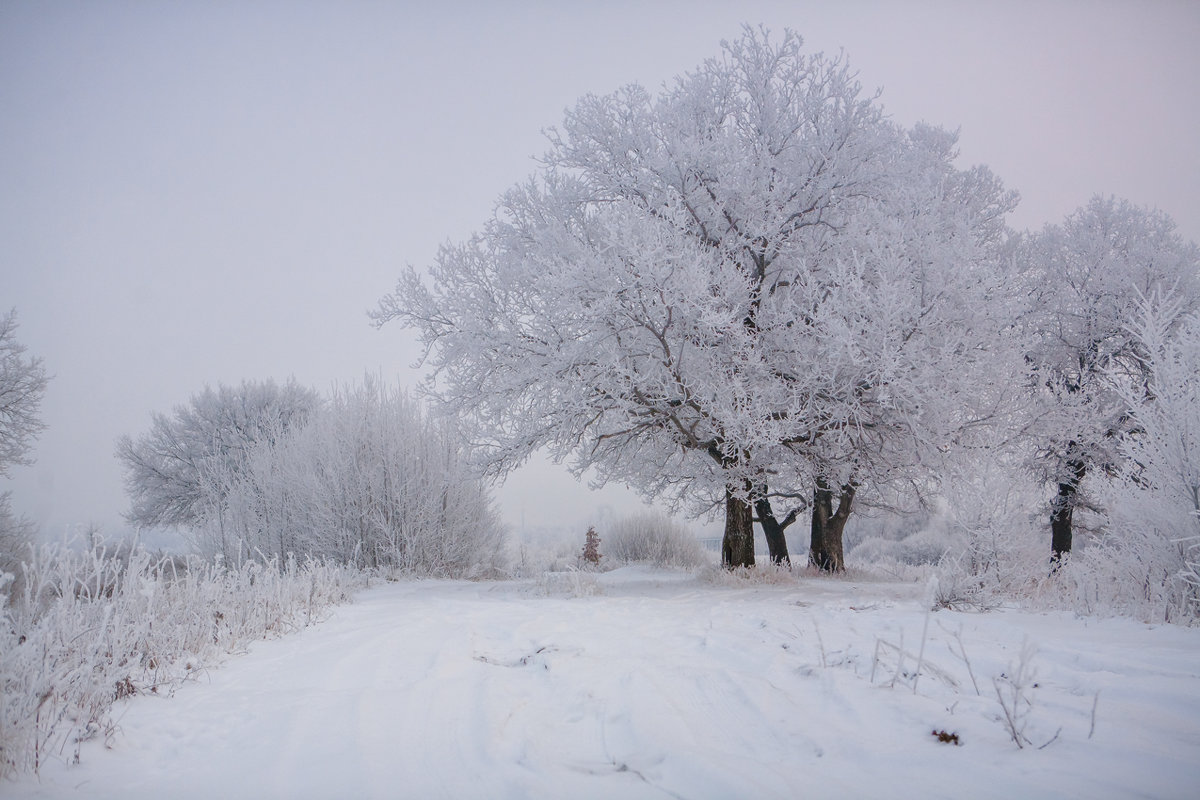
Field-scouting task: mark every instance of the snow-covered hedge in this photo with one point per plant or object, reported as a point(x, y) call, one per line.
point(93, 626)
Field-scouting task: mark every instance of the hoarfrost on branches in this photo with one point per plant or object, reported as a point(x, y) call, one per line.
point(1087, 277)
point(362, 477)
point(177, 472)
point(753, 281)
point(22, 385)
point(1150, 546)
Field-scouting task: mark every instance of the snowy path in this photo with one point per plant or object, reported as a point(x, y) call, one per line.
point(661, 686)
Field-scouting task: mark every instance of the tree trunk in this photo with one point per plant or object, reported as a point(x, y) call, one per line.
point(737, 547)
point(773, 529)
point(825, 547)
point(776, 541)
point(1062, 510)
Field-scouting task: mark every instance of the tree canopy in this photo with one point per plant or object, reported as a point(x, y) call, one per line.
point(22, 386)
point(174, 472)
point(1088, 279)
point(751, 280)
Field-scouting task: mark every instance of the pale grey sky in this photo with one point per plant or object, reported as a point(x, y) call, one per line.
point(204, 192)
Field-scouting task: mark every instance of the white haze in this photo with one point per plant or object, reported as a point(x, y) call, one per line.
point(200, 193)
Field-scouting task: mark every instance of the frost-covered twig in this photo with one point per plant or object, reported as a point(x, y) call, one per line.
point(962, 653)
point(881, 645)
point(930, 594)
point(820, 643)
point(1015, 700)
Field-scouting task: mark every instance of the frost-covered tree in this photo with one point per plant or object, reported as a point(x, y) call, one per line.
point(368, 479)
point(910, 348)
point(1163, 448)
point(362, 477)
point(750, 284)
point(1154, 531)
point(178, 473)
point(22, 385)
point(1087, 277)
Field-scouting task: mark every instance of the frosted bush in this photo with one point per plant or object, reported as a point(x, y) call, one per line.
point(999, 551)
point(364, 477)
point(926, 546)
point(542, 550)
point(874, 550)
point(1139, 573)
point(569, 582)
point(765, 574)
point(93, 626)
point(15, 535)
point(654, 539)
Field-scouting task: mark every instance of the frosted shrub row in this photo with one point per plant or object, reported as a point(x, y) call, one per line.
point(363, 477)
point(91, 627)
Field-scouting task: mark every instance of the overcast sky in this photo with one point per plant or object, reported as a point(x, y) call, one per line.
point(194, 193)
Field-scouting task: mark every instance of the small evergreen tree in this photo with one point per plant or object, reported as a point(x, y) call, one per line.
point(591, 547)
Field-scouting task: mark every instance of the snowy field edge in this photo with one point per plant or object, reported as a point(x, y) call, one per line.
point(650, 683)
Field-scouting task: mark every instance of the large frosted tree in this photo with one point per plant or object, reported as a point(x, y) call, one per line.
point(1088, 277)
point(751, 283)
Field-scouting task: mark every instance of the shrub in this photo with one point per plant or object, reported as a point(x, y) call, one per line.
point(15, 535)
point(366, 478)
point(93, 626)
point(655, 539)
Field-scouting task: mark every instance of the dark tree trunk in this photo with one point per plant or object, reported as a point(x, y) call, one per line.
point(1062, 510)
point(825, 547)
point(737, 547)
point(776, 541)
point(822, 510)
point(773, 528)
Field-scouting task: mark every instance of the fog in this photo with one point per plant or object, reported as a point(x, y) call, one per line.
point(201, 193)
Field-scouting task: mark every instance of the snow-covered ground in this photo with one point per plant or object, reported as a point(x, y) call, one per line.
point(641, 683)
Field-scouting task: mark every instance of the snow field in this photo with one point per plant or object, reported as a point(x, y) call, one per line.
point(663, 685)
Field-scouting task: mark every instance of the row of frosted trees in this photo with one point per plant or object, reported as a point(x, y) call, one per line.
point(362, 477)
point(754, 292)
